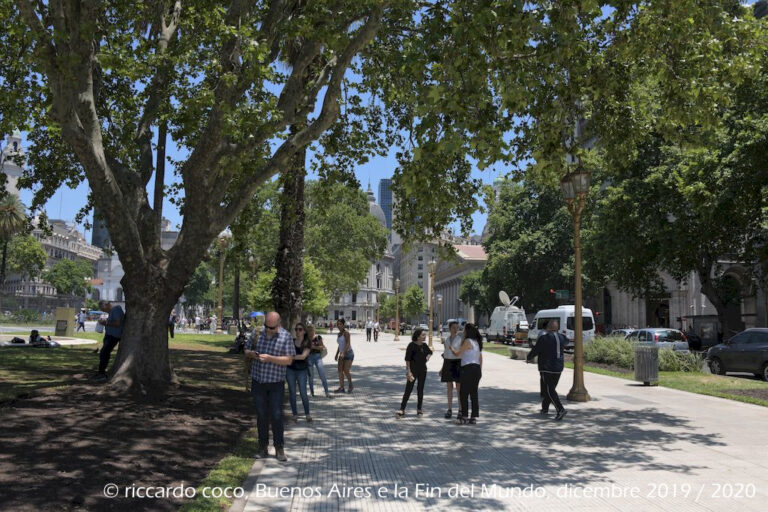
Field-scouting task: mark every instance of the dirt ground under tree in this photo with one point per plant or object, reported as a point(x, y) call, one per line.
point(60, 448)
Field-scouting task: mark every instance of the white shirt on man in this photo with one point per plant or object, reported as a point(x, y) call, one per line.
point(369, 325)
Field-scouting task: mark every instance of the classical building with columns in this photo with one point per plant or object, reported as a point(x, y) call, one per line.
point(448, 277)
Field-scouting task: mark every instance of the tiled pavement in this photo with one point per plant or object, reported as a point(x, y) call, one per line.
point(673, 450)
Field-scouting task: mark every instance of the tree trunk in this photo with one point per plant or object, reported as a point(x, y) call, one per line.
point(4, 263)
point(236, 291)
point(288, 288)
point(711, 292)
point(159, 195)
point(142, 365)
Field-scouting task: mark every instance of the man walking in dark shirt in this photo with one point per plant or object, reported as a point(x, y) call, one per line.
point(550, 349)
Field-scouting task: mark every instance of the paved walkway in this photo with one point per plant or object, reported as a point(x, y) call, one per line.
point(632, 448)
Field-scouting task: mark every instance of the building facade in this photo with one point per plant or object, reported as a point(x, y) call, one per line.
point(64, 242)
point(448, 279)
point(10, 162)
point(385, 200)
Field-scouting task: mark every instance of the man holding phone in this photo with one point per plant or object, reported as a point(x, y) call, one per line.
point(271, 351)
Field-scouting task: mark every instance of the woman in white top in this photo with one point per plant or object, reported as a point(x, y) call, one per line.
point(344, 356)
point(471, 371)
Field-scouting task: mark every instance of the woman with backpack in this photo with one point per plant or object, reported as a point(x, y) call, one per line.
point(316, 352)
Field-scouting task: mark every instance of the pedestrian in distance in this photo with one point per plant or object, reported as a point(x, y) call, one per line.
point(368, 330)
point(272, 351)
point(344, 356)
point(550, 349)
point(113, 332)
point(316, 352)
point(470, 373)
point(81, 317)
point(416, 356)
point(376, 329)
point(298, 371)
point(451, 365)
point(172, 324)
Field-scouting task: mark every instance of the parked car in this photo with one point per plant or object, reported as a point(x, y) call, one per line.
point(663, 337)
point(404, 327)
point(423, 326)
point(624, 333)
point(745, 352)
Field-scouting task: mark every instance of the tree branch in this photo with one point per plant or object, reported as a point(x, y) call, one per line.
point(328, 114)
point(157, 88)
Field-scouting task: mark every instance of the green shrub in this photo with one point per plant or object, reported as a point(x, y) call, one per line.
point(613, 350)
point(673, 361)
point(26, 316)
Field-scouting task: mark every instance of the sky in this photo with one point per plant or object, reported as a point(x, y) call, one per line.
point(67, 202)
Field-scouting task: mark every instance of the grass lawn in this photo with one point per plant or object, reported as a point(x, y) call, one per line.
point(496, 349)
point(732, 388)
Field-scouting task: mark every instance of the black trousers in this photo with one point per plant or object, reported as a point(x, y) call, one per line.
point(107, 346)
point(368, 334)
point(469, 378)
point(420, 376)
point(548, 383)
point(170, 329)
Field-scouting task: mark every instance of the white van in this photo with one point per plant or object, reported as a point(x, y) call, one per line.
point(564, 316)
point(508, 325)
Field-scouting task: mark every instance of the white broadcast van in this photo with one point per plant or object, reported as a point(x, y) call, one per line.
point(564, 315)
point(508, 322)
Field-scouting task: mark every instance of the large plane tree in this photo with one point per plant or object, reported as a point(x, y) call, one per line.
point(104, 75)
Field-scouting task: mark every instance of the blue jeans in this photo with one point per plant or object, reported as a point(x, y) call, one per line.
point(268, 399)
point(316, 359)
point(300, 376)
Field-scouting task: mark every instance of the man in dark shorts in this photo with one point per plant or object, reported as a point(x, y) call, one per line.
point(451, 363)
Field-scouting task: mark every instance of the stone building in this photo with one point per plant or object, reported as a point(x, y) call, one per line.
point(448, 278)
point(64, 242)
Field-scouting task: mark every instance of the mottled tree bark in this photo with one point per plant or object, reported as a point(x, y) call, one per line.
point(288, 286)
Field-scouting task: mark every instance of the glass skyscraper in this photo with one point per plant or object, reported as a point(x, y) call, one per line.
point(385, 200)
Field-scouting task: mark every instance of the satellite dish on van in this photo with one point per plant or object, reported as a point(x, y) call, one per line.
point(504, 298)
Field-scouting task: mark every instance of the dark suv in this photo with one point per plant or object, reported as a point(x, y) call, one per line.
point(745, 352)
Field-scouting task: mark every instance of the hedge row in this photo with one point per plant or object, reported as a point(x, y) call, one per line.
point(617, 351)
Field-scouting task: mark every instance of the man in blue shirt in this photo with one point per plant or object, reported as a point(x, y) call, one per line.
point(113, 331)
point(271, 352)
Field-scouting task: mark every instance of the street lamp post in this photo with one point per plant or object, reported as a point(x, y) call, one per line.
point(439, 307)
point(224, 238)
point(575, 186)
point(397, 309)
point(431, 266)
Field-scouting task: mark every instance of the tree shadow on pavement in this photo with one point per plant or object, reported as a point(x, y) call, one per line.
point(357, 441)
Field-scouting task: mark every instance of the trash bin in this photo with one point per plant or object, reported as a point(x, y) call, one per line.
point(232, 329)
point(647, 364)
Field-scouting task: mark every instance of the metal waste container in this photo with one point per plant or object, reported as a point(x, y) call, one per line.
point(232, 329)
point(647, 364)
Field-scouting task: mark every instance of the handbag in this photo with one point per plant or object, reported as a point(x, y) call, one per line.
point(99, 328)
